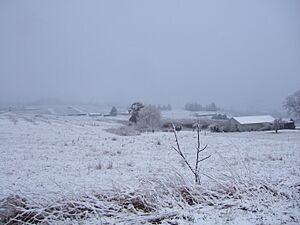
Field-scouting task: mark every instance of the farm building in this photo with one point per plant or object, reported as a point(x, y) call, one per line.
point(251, 123)
point(288, 124)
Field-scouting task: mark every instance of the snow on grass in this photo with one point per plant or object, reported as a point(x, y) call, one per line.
point(251, 178)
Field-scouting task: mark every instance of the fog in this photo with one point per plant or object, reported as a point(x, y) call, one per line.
point(239, 54)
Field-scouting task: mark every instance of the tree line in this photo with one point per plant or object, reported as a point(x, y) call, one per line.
point(198, 107)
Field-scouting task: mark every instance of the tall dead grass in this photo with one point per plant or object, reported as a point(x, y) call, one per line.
point(155, 200)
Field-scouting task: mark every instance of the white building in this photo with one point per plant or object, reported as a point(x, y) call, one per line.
point(251, 123)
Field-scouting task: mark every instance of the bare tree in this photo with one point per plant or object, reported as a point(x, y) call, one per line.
point(149, 118)
point(196, 169)
point(276, 125)
point(292, 104)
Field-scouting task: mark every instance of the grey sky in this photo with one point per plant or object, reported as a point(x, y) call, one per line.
point(236, 53)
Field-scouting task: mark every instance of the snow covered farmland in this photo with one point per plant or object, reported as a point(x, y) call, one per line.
point(60, 162)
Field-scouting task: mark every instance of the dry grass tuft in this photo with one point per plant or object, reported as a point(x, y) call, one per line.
point(154, 201)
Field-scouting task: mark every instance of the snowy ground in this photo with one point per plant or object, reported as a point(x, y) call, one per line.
point(52, 157)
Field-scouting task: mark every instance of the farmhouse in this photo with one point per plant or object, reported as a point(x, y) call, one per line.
point(251, 123)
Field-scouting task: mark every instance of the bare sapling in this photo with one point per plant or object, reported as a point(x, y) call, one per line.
point(196, 169)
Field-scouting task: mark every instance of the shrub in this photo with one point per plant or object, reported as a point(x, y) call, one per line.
point(215, 127)
point(110, 166)
point(99, 166)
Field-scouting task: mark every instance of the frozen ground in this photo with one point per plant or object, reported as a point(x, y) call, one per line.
point(49, 157)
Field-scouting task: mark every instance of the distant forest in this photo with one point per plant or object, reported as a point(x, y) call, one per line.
point(198, 107)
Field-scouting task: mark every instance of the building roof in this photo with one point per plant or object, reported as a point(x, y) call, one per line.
point(254, 119)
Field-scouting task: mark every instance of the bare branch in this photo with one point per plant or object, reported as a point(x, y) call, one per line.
point(201, 150)
point(204, 158)
point(178, 150)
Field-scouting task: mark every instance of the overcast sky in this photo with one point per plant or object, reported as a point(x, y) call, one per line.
point(236, 53)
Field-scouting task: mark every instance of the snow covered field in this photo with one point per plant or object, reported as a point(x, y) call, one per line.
point(48, 158)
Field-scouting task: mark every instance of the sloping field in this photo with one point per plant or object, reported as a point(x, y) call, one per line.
point(250, 178)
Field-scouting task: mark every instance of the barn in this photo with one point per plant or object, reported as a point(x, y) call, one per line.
point(251, 123)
